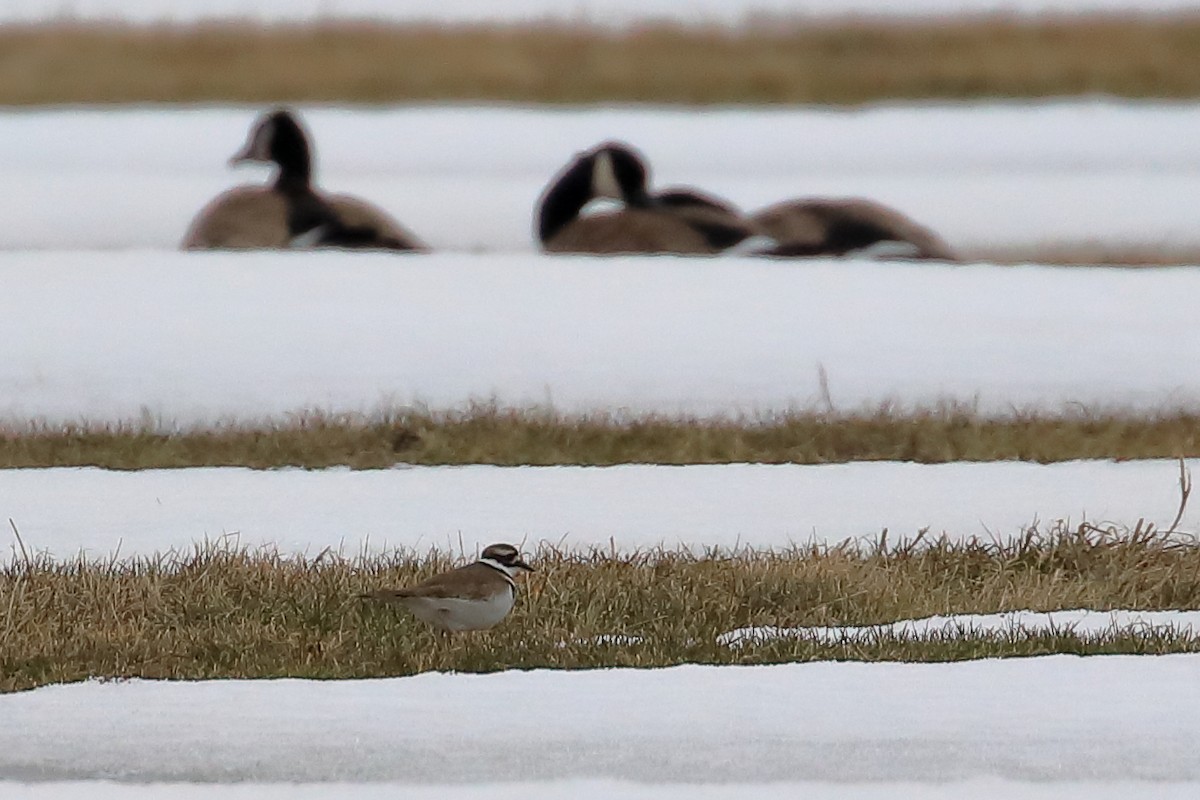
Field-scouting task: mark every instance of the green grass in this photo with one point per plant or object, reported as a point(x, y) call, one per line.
point(491, 435)
point(221, 613)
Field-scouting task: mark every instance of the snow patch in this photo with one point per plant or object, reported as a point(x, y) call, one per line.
point(1013, 624)
point(68, 511)
point(595, 789)
point(1057, 718)
point(180, 339)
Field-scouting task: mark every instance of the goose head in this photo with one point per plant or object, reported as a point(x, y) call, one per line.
point(618, 172)
point(610, 171)
point(278, 138)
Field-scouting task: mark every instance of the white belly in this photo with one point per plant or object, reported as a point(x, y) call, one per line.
point(461, 615)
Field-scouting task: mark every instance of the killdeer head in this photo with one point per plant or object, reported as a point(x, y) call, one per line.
point(471, 598)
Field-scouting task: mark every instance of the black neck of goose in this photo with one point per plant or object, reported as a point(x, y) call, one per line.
point(565, 199)
point(290, 151)
point(640, 198)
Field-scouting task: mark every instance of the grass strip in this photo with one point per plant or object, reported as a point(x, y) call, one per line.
point(222, 612)
point(775, 61)
point(487, 434)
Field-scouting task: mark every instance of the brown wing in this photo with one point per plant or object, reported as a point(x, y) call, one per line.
point(722, 224)
point(473, 582)
point(357, 213)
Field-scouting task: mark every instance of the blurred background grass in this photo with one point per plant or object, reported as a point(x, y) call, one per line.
point(487, 434)
point(784, 62)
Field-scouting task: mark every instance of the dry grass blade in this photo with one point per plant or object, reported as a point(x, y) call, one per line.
point(25, 559)
point(1185, 493)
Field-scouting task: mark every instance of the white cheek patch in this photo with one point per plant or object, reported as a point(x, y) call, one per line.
point(258, 143)
point(604, 178)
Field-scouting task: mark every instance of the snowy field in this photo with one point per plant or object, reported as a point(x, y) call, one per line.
point(181, 339)
point(1023, 724)
point(468, 178)
point(982, 789)
point(608, 12)
point(65, 511)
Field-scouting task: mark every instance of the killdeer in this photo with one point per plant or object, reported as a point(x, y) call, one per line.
point(470, 598)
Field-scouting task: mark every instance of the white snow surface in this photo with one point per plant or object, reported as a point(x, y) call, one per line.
point(184, 339)
point(608, 12)
point(463, 509)
point(1058, 718)
point(597, 789)
point(1015, 624)
point(468, 178)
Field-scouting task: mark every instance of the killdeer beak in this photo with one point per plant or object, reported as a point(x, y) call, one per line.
point(523, 565)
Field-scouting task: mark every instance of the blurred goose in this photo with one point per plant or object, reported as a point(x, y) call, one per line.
point(818, 227)
point(679, 221)
point(290, 213)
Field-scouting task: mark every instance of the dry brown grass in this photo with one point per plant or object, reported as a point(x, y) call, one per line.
point(227, 613)
point(780, 61)
point(490, 435)
point(1087, 254)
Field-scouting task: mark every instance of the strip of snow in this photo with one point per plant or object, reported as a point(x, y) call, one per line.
point(184, 339)
point(1014, 624)
point(596, 789)
point(467, 178)
point(65, 511)
point(609, 12)
point(1058, 718)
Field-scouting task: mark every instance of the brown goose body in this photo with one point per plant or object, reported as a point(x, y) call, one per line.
point(255, 217)
point(818, 226)
point(629, 230)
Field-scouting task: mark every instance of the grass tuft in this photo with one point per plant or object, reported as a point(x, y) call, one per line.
point(220, 612)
